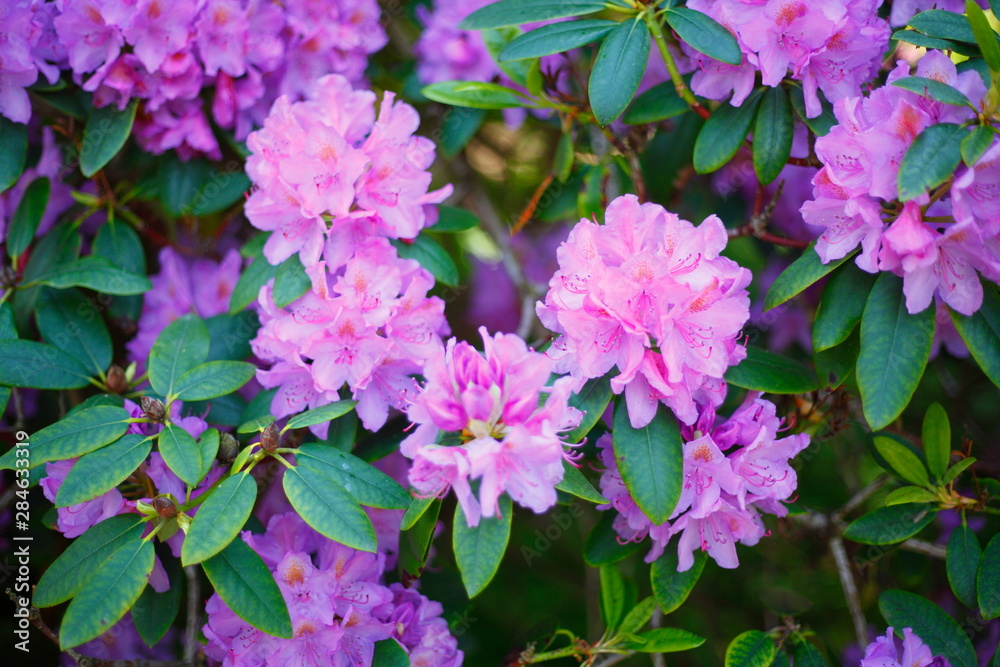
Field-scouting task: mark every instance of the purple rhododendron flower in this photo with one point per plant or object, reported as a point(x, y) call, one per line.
point(883, 652)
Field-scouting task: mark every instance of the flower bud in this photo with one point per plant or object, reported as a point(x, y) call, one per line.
point(153, 408)
point(228, 448)
point(165, 507)
point(270, 438)
point(116, 383)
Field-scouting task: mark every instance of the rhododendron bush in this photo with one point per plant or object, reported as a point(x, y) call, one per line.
point(345, 332)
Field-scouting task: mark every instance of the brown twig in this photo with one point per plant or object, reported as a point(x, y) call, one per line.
point(850, 589)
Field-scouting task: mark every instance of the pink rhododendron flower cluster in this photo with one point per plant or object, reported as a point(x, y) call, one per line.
point(329, 174)
point(166, 53)
point(830, 46)
point(733, 471)
point(883, 652)
point(492, 403)
point(339, 607)
point(648, 293)
point(861, 159)
point(369, 325)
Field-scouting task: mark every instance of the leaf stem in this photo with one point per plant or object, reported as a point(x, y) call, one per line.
point(668, 59)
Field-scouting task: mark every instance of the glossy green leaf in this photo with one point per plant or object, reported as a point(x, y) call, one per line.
point(415, 540)
point(245, 583)
point(612, 596)
point(28, 214)
point(919, 39)
point(181, 346)
point(981, 333)
point(665, 640)
point(704, 34)
point(154, 613)
point(104, 135)
point(752, 648)
point(800, 274)
point(658, 103)
point(452, 219)
point(479, 549)
point(984, 35)
point(936, 90)
point(220, 518)
point(100, 471)
point(432, 256)
point(836, 364)
point(671, 587)
point(516, 12)
point(230, 335)
point(936, 436)
point(94, 273)
point(957, 469)
point(458, 127)
point(108, 594)
point(251, 280)
point(418, 506)
point(930, 160)
point(213, 379)
point(929, 622)
point(575, 484)
point(890, 525)
point(988, 580)
point(74, 435)
point(976, 144)
point(767, 371)
point(903, 461)
point(367, 484)
point(723, 134)
point(772, 135)
point(118, 243)
point(819, 125)
point(592, 399)
point(555, 38)
point(895, 347)
point(473, 94)
point(943, 25)
point(30, 364)
point(14, 148)
point(181, 453)
point(326, 505)
point(290, 282)
point(650, 460)
point(910, 494)
point(842, 306)
point(324, 413)
point(69, 321)
point(618, 69)
point(388, 653)
point(67, 575)
point(962, 564)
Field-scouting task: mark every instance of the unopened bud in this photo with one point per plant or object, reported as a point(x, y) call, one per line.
point(165, 507)
point(270, 438)
point(116, 383)
point(229, 448)
point(153, 408)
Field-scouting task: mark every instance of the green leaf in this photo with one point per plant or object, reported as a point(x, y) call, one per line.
point(71, 322)
point(153, 613)
point(208, 445)
point(665, 640)
point(418, 506)
point(962, 563)
point(104, 135)
point(618, 69)
point(638, 616)
point(251, 280)
point(763, 370)
point(473, 94)
point(230, 335)
point(919, 39)
point(479, 549)
point(956, 470)
point(988, 580)
point(108, 594)
point(723, 134)
point(935, 90)
point(819, 125)
point(220, 190)
point(181, 453)
point(835, 365)
point(799, 275)
point(220, 518)
point(514, 12)
point(327, 506)
point(658, 103)
point(555, 38)
point(807, 655)
point(890, 525)
point(118, 243)
point(14, 148)
point(181, 346)
point(772, 135)
point(245, 583)
point(431, 256)
point(8, 329)
point(753, 648)
point(895, 347)
point(929, 622)
point(458, 127)
point(95, 273)
point(367, 484)
point(452, 219)
point(984, 35)
point(910, 494)
point(28, 214)
point(936, 436)
point(943, 25)
point(602, 546)
point(980, 331)
point(30, 364)
point(612, 596)
point(324, 413)
point(930, 160)
point(415, 541)
point(575, 484)
point(74, 435)
point(592, 399)
point(100, 471)
point(671, 587)
point(67, 575)
point(842, 306)
point(388, 653)
point(177, 182)
point(290, 282)
point(650, 460)
point(976, 144)
point(903, 462)
point(59, 247)
point(704, 34)
point(213, 379)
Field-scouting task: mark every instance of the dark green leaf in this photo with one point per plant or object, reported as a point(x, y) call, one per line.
point(69, 321)
point(118, 243)
point(100, 471)
point(919, 39)
point(962, 563)
point(895, 347)
point(807, 655)
point(956, 470)
point(244, 583)
point(612, 596)
point(929, 622)
point(930, 160)
point(704, 34)
point(67, 575)
point(772, 135)
point(366, 484)
point(181, 453)
point(221, 190)
point(479, 549)
point(30, 364)
point(230, 335)
point(248, 286)
point(28, 214)
point(327, 506)
point(75, 435)
point(213, 379)
point(943, 25)
point(220, 518)
point(60, 246)
point(988, 580)
point(108, 594)
point(835, 365)
point(452, 219)
point(388, 653)
point(14, 148)
point(658, 103)
point(890, 525)
point(650, 460)
point(418, 506)
point(984, 35)
point(902, 461)
point(555, 38)
point(800, 274)
point(95, 273)
point(153, 613)
point(981, 333)
point(936, 436)
point(671, 587)
point(8, 329)
point(936, 90)
point(819, 125)
point(290, 282)
point(515, 12)
point(976, 144)
point(842, 306)
point(208, 446)
point(575, 484)
point(415, 540)
point(763, 370)
point(618, 69)
point(723, 134)
point(602, 546)
point(431, 256)
point(178, 182)
point(473, 94)
point(104, 135)
point(181, 346)
point(592, 399)
point(753, 648)
point(665, 640)
point(324, 413)
point(910, 494)
point(459, 125)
